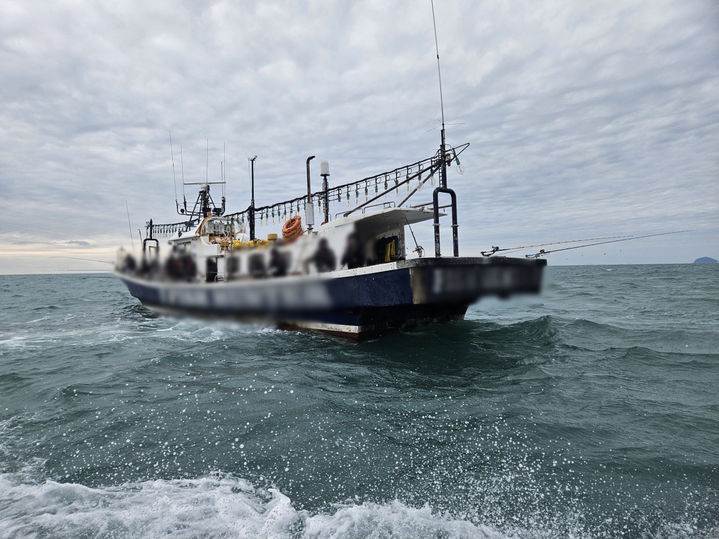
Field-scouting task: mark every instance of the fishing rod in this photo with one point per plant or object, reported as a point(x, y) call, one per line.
point(85, 259)
point(496, 249)
point(543, 252)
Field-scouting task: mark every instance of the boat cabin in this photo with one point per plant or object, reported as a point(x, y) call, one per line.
point(219, 249)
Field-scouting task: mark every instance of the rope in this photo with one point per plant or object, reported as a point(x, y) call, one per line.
point(292, 229)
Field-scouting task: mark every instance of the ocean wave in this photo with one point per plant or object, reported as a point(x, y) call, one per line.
point(535, 331)
point(591, 335)
point(221, 505)
point(213, 506)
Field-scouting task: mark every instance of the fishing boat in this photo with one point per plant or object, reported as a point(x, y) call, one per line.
point(355, 274)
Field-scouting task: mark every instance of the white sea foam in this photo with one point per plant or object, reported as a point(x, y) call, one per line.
point(14, 342)
point(219, 506)
point(186, 330)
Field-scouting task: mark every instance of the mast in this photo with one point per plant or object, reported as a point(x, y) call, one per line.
point(442, 146)
point(309, 207)
point(325, 172)
point(251, 216)
point(443, 171)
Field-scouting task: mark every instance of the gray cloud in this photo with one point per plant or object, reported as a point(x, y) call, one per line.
point(583, 118)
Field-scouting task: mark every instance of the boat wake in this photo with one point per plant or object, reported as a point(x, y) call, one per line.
point(211, 506)
point(221, 505)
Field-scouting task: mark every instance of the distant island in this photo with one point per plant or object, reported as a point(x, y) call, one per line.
point(705, 260)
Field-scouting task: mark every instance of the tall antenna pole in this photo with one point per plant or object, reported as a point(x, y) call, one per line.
point(132, 241)
point(439, 70)
point(207, 158)
point(443, 175)
point(222, 174)
point(174, 178)
point(182, 168)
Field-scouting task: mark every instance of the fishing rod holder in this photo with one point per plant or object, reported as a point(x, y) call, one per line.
point(541, 253)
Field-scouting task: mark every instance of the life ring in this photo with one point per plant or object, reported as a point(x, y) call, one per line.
point(292, 229)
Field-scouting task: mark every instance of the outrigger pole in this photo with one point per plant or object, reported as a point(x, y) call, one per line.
point(421, 170)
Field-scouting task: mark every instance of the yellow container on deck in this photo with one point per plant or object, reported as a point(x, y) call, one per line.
point(237, 244)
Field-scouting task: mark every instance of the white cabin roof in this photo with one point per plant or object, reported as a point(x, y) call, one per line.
point(385, 216)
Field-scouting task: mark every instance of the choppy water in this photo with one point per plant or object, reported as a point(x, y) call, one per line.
point(592, 410)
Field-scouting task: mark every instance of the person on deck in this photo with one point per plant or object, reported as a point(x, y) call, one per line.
point(129, 265)
point(278, 264)
point(353, 256)
point(324, 258)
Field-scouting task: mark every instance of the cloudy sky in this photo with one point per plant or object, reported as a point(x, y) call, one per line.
point(585, 118)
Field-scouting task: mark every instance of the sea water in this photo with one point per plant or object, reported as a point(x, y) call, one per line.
point(589, 411)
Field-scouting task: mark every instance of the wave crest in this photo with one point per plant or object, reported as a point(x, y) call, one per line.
point(214, 506)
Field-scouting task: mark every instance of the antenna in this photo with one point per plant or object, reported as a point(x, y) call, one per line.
point(439, 70)
point(442, 146)
point(174, 179)
point(207, 158)
point(182, 168)
point(132, 241)
point(443, 170)
point(222, 178)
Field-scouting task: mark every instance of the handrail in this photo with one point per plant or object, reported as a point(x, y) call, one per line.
point(388, 204)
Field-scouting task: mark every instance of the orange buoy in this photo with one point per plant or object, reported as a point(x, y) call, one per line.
point(292, 229)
